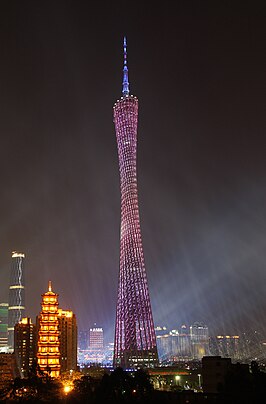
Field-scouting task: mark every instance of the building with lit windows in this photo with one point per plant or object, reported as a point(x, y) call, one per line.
point(8, 370)
point(185, 351)
point(180, 345)
point(163, 343)
point(48, 355)
point(183, 344)
point(164, 347)
point(135, 340)
point(25, 346)
point(16, 308)
point(226, 346)
point(96, 338)
point(3, 327)
point(67, 325)
point(200, 340)
point(83, 340)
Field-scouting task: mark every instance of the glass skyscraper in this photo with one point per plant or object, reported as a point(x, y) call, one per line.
point(16, 309)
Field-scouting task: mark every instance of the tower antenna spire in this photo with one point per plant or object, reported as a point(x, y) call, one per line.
point(125, 90)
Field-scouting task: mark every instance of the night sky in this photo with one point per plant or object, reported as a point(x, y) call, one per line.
point(198, 69)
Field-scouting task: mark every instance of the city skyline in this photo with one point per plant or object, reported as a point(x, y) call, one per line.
point(199, 75)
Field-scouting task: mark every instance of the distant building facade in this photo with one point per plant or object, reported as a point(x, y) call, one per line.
point(185, 350)
point(226, 346)
point(163, 341)
point(181, 345)
point(8, 371)
point(200, 341)
point(185, 343)
point(96, 340)
point(96, 351)
point(3, 326)
point(83, 340)
point(25, 346)
point(16, 308)
point(67, 325)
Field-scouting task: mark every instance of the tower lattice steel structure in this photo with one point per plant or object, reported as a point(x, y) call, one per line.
point(135, 340)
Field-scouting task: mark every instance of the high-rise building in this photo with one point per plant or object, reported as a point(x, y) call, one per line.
point(164, 347)
point(25, 345)
point(226, 346)
point(83, 340)
point(96, 338)
point(135, 341)
point(174, 345)
point(67, 325)
point(163, 342)
point(48, 355)
point(200, 341)
point(3, 326)
point(8, 370)
point(181, 344)
point(184, 343)
point(16, 309)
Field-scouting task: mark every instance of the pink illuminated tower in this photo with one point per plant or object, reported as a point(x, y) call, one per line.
point(135, 341)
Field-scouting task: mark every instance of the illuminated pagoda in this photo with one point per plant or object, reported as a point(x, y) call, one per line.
point(135, 340)
point(48, 355)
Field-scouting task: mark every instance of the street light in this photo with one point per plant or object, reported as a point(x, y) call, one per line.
point(177, 379)
point(67, 389)
point(199, 376)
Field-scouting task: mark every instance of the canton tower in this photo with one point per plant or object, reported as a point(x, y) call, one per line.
point(135, 340)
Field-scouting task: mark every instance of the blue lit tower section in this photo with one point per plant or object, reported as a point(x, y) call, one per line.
point(135, 340)
point(16, 309)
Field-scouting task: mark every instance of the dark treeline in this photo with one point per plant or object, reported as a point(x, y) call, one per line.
point(120, 386)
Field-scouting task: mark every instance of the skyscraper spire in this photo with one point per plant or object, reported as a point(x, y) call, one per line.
point(125, 91)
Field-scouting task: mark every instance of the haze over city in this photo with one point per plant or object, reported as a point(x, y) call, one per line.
point(199, 74)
